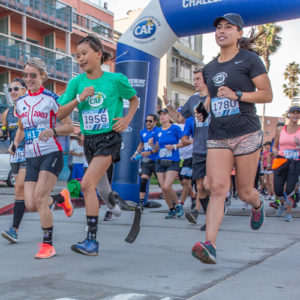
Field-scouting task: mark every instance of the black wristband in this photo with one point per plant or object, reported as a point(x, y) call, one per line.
point(151, 152)
point(55, 133)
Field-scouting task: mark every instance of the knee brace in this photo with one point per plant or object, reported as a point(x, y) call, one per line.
point(143, 185)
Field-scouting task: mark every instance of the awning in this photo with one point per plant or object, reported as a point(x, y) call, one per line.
point(187, 56)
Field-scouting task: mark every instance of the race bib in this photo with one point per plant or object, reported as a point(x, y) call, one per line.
point(147, 147)
point(165, 153)
point(32, 135)
point(222, 107)
point(18, 157)
point(95, 119)
point(291, 154)
point(185, 171)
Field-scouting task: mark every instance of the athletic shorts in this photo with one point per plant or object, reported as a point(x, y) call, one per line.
point(266, 171)
point(52, 162)
point(186, 171)
point(15, 167)
point(163, 166)
point(240, 145)
point(148, 168)
point(103, 144)
point(199, 166)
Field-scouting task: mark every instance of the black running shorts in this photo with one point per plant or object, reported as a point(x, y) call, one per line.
point(103, 144)
point(52, 162)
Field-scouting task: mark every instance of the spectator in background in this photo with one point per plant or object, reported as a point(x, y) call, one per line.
point(76, 150)
point(70, 159)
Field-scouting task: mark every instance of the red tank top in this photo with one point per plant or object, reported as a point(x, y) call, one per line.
point(287, 144)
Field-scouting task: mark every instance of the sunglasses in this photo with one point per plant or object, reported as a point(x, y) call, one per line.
point(31, 75)
point(148, 121)
point(15, 88)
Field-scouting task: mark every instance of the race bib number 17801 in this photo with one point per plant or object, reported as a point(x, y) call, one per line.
point(222, 107)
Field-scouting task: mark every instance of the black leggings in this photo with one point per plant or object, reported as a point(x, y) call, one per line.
point(287, 173)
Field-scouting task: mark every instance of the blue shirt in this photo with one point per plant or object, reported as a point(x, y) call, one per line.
point(189, 127)
point(170, 136)
point(145, 136)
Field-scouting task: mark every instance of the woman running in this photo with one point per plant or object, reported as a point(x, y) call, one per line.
point(98, 95)
point(16, 89)
point(287, 164)
point(268, 172)
point(37, 112)
point(167, 162)
point(236, 79)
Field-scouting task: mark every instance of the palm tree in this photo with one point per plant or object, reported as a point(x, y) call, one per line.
point(291, 89)
point(267, 43)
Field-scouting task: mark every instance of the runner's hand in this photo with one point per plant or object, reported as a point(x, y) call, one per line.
point(169, 147)
point(150, 142)
point(88, 91)
point(145, 153)
point(165, 97)
point(46, 134)
point(12, 149)
point(199, 117)
point(226, 92)
point(121, 124)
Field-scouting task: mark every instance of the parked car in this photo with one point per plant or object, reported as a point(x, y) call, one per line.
point(5, 170)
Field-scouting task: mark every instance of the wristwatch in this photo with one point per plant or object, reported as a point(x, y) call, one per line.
point(239, 95)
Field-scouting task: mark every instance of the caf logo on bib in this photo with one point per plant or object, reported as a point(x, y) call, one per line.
point(219, 79)
point(97, 99)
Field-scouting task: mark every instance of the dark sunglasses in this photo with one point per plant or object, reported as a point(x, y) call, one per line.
point(31, 75)
point(148, 121)
point(15, 88)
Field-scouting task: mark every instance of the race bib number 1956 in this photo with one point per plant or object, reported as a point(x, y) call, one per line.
point(222, 107)
point(95, 119)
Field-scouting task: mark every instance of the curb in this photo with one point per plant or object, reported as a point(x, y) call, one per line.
point(77, 203)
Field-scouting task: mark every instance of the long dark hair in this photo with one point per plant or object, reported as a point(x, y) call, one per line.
point(248, 43)
point(93, 42)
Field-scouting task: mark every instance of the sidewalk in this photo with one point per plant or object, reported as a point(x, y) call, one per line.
point(261, 264)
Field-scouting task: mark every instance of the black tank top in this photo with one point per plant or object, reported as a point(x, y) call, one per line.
point(12, 126)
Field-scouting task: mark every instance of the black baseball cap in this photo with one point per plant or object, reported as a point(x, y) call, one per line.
point(294, 108)
point(232, 18)
point(163, 110)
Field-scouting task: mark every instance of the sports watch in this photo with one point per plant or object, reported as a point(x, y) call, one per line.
point(239, 95)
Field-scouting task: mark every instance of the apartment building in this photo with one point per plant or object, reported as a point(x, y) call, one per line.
point(50, 29)
point(176, 66)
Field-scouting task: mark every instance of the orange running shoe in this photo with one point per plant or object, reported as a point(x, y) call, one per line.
point(67, 204)
point(46, 251)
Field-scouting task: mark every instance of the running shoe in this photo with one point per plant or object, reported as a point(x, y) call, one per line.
point(46, 251)
point(245, 206)
point(203, 228)
point(205, 252)
point(171, 214)
point(67, 204)
point(108, 216)
point(288, 217)
point(179, 210)
point(258, 215)
point(274, 204)
point(280, 210)
point(113, 203)
point(193, 200)
point(87, 247)
point(10, 234)
point(192, 216)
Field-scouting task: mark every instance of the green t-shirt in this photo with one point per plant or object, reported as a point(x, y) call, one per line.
point(97, 112)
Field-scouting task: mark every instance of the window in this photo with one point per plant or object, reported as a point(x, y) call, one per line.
point(186, 70)
point(188, 41)
point(4, 25)
point(3, 80)
point(268, 122)
point(175, 64)
point(49, 41)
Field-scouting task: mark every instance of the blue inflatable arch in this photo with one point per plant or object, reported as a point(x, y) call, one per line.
point(156, 29)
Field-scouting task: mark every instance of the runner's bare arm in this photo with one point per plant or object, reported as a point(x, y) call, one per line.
point(122, 123)
point(263, 93)
point(176, 116)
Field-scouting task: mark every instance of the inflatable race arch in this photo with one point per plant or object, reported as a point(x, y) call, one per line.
point(150, 36)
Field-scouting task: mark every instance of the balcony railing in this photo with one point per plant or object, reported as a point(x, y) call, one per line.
point(57, 14)
point(14, 53)
point(92, 26)
point(177, 77)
